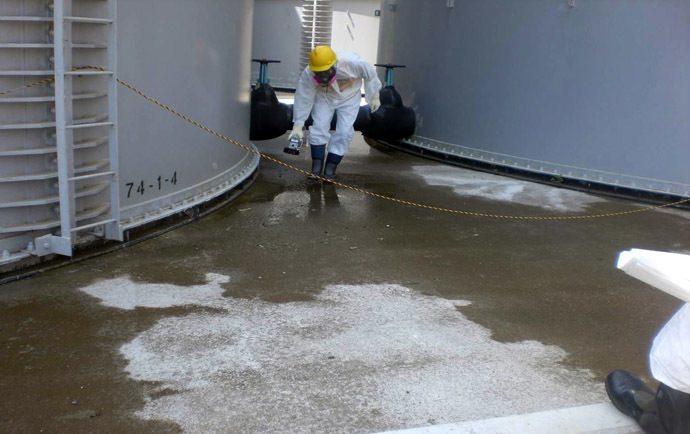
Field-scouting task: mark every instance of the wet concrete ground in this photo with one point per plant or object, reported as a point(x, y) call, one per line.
point(305, 307)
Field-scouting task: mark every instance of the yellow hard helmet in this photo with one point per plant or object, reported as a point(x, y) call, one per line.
point(322, 58)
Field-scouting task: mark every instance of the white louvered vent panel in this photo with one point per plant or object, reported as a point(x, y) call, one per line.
point(317, 27)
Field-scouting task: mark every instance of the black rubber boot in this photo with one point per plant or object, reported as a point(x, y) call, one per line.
point(629, 394)
point(666, 412)
point(332, 162)
point(318, 153)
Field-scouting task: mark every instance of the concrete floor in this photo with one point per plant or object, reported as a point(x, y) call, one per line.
point(304, 307)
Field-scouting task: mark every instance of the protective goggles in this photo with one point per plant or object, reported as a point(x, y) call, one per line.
point(324, 78)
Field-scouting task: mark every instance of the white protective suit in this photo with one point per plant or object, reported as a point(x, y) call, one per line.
point(669, 358)
point(342, 97)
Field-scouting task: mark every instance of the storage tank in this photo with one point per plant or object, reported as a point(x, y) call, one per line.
point(82, 157)
point(595, 91)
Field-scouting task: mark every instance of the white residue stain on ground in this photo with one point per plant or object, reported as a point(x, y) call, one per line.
point(684, 213)
point(493, 187)
point(125, 294)
point(359, 358)
point(294, 203)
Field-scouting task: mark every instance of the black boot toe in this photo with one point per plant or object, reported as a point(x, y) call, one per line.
point(629, 394)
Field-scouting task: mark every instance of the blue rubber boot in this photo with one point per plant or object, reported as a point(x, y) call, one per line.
point(332, 162)
point(318, 153)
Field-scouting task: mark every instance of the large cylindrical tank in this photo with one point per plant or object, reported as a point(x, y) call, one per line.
point(591, 90)
point(193, 56)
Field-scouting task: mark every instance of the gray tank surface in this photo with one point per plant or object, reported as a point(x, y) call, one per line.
point(196, 58)
point(82, 157)
point(594, 91)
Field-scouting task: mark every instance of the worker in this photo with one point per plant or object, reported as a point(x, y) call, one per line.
point(332, 83)
point(668, 410)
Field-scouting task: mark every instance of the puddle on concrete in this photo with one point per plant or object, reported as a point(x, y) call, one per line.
point(554, 283)
point(355, 358)
point(287, 297)
point(61, 371)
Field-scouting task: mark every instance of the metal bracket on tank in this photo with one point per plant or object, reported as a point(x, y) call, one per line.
point(51, 244)
point(389, 72)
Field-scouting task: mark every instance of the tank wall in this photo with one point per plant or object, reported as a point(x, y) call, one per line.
point(277, 34)
point(603, 85)
point(194, 57)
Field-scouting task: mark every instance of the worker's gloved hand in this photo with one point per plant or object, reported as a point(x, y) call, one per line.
point(297, 131)
point(375, 104)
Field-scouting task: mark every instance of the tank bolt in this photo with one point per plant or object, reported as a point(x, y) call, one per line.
point(5, 254)
point(30, 246)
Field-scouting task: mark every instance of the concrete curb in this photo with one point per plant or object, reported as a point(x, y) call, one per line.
point(601, 418)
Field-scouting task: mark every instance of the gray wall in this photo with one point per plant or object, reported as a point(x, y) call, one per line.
point(356, 28)
point(277, 34)
point(604, 85)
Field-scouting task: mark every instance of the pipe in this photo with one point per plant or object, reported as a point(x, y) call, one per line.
point(269, 117)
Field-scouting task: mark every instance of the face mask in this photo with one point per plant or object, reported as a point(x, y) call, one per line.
point(324, 78)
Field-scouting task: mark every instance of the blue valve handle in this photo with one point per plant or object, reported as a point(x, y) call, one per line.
point(389, 71)
point(263, 69)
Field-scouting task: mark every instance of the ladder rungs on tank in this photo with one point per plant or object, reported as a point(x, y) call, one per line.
point(66, 127)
